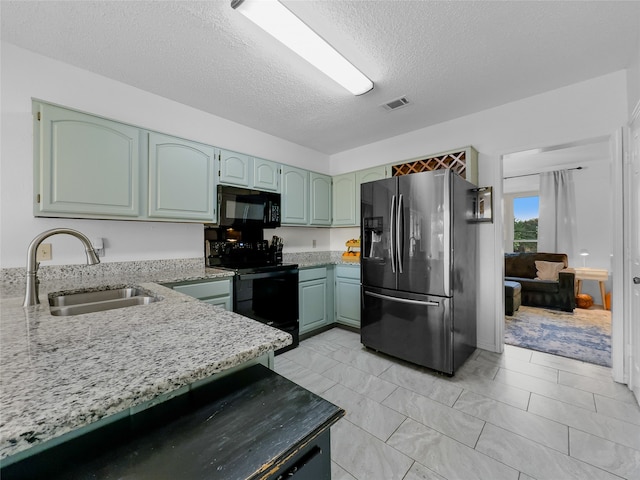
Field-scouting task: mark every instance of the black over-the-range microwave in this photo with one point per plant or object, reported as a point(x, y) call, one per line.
point(241, 207)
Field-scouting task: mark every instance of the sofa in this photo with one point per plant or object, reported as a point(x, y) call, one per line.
point(548, 284)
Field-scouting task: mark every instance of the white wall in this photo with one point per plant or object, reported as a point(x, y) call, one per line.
point(26, 75)
point(584, 110)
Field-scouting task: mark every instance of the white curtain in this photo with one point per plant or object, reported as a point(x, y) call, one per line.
point(557, 231)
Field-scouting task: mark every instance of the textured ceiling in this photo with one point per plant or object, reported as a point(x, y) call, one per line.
point(448, 58)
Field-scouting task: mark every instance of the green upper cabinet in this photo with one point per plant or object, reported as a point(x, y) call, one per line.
point(233, 168)
point(85, 165)
point(346, 194)
point(295, 196)
point(242, 170)
point(181, 179)
point(266, 175)
point(344, 199)
point(320, 199)
point(368, 175)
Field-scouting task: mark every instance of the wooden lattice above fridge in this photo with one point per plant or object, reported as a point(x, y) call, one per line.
point(462, 161)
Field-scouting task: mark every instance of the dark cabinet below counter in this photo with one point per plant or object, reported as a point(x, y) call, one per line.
point(253, 424)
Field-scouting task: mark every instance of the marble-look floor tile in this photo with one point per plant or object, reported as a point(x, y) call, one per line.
point(342, 337)
point(454, 423)
point(610, 456)
point(602, 426)
point(628, 412)
point(446, 456)
point(477, 368)
point(420, 472)
point(364, 383)
point(571, 365)
point(364, 456)
point(518, 353)
point(339, 473)
point(304, 377)
point(513, 396)
point(423, 382)
point(536, 428)
point(321, 345)
point(534, 459)
point(607, 388)
point(367, 414)
point(364, 360)
point(548, 389)
point(310, 359)
point(517, 365)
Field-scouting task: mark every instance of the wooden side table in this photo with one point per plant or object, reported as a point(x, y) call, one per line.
point(600, 275)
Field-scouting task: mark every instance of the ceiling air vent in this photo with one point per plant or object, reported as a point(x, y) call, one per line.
point(396, 104)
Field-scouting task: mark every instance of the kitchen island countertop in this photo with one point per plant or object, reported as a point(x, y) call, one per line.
point(59, 374)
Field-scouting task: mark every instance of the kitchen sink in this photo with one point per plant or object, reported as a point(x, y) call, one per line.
point(98, 301)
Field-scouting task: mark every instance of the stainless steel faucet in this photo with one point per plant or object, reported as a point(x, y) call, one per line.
point(31, 295)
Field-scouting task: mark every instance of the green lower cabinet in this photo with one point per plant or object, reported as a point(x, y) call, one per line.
point(213, 292)
point(348, 295)
point(313, 299)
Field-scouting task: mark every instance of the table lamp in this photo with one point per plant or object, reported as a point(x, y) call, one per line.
point(584, 253)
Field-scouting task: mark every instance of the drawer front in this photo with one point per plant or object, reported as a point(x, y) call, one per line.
point(206, 289)
point(312, 274)
point(348, 272)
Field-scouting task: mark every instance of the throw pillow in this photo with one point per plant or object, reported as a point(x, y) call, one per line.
point(548, 270)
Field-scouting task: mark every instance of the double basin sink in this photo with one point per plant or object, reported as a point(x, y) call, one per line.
point(65, 304)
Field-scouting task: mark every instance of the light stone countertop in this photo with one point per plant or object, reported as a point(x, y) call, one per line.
point(59, 374)
point(319, 259)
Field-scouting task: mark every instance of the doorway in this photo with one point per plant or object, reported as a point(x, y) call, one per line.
point(584, 334)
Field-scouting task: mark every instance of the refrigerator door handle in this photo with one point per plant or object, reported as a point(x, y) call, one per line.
point(400, 234)
point(403, 300)
point(391, 236)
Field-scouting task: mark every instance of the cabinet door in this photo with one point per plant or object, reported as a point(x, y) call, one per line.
point(181, 179)
point(266, 175)
point(312, 304)
point(87, 165)
point(368, 175)
point(344, 199)
point(348, 295)
point(233, 168)
point(320, 201)
point(295, 196)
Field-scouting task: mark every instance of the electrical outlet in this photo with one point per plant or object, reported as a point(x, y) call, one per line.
point(44, 252)
point(313, 243)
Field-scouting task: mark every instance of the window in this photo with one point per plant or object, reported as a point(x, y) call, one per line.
point(525, 223)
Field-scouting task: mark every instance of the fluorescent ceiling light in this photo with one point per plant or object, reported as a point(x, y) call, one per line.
point(275, 19)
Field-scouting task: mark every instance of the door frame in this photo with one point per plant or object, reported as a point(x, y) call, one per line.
point(617, 277)
point(632, 347)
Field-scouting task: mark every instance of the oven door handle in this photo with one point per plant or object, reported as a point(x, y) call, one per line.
point(257, 276)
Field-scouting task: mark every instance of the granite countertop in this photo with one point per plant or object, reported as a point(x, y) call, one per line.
point(59, 374)
point(318, 259)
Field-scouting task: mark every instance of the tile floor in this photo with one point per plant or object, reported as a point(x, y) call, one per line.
point(521, 415)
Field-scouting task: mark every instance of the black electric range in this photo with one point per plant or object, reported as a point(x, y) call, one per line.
point(268, 294)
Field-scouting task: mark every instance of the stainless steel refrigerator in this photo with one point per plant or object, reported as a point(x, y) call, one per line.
point(418, 262)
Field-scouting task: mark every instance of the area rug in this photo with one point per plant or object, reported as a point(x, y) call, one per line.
point(584, 334)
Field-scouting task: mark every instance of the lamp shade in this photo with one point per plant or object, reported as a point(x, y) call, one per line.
point(584, 252)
